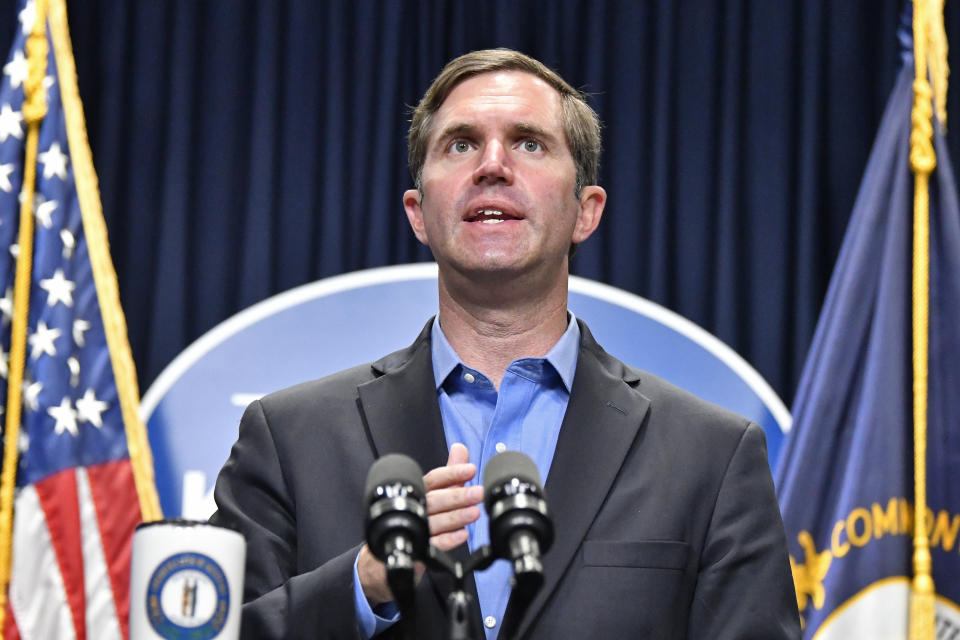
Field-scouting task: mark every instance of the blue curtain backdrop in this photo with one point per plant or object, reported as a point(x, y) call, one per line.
point(247, 147)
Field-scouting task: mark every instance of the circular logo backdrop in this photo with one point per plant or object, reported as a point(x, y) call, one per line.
point(193, 408)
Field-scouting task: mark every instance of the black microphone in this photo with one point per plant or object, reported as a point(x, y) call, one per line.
point(520, 525)
point(397, 529)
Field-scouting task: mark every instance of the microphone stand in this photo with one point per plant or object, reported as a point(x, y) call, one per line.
point(526, 584)
point(461, 606)
point(400, 572)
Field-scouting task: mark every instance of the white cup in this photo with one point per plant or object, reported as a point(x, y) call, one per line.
point(186, 581)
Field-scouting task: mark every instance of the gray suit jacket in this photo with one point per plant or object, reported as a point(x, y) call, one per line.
point(666, 521)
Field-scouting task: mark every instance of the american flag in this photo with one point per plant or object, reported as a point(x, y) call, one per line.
point(76, 500)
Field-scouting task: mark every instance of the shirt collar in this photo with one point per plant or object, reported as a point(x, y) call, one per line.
point(563, 355)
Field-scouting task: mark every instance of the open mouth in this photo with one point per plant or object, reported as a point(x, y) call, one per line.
point(490, 216)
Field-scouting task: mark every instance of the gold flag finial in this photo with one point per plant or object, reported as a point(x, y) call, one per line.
point(34, 94)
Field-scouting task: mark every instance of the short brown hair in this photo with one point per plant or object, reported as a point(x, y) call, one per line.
point(580, 122)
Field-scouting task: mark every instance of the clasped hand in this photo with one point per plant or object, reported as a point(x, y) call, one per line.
point(451, 506)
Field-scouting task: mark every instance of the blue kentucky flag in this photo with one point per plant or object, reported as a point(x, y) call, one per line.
point(845, 476)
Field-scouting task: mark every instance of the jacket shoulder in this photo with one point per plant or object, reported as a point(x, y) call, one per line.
point(686, 406)
point(336, 385)
point(685, 422)
point(684, 409)
point(340, 389)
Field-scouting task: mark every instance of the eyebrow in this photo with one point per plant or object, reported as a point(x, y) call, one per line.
point(456, 130)
point(520, 128)
point(526, 128)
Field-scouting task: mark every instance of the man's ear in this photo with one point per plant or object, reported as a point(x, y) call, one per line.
point(411, 204)
point(592, 201)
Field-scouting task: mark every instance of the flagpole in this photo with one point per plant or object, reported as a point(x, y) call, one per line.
point(34, 109)
point(104, 276)
point(928, 39)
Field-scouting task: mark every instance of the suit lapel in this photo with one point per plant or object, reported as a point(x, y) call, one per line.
point(400, 408)
point(601, 423)
point(402, 415)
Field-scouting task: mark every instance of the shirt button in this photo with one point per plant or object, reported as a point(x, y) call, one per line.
point(469, 377)
point(490, 622)
point(501, 447)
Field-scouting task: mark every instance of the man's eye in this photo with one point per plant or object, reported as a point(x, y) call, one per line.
point(460, 146)
point(532, 146)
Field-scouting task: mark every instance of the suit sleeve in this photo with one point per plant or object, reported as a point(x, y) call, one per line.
point(253, 498)
point(744, 587)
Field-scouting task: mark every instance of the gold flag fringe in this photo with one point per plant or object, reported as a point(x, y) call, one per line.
point(104, 277)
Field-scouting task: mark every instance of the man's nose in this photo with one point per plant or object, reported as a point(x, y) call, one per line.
point(494, 164)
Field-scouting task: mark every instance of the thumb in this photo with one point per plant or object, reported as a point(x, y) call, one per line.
point(458, 454)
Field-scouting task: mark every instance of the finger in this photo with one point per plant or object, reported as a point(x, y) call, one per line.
point(457, 470)
point(452, 475)
point(452, 520)
point(458, 454)
point(447, 541)
point(440, 500)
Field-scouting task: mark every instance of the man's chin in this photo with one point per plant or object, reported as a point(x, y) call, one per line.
point(498, 269)
point(512, 278)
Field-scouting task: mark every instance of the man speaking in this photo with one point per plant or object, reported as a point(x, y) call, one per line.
point(664, 510)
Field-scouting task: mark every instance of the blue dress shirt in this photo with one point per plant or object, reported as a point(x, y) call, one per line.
point(524, 416)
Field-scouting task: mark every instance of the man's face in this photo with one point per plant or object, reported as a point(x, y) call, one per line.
point(498, 181)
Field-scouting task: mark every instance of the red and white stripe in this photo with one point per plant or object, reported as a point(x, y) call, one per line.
point(72, 535)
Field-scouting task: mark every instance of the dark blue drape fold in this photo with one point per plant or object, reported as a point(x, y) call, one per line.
point(248, 147)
